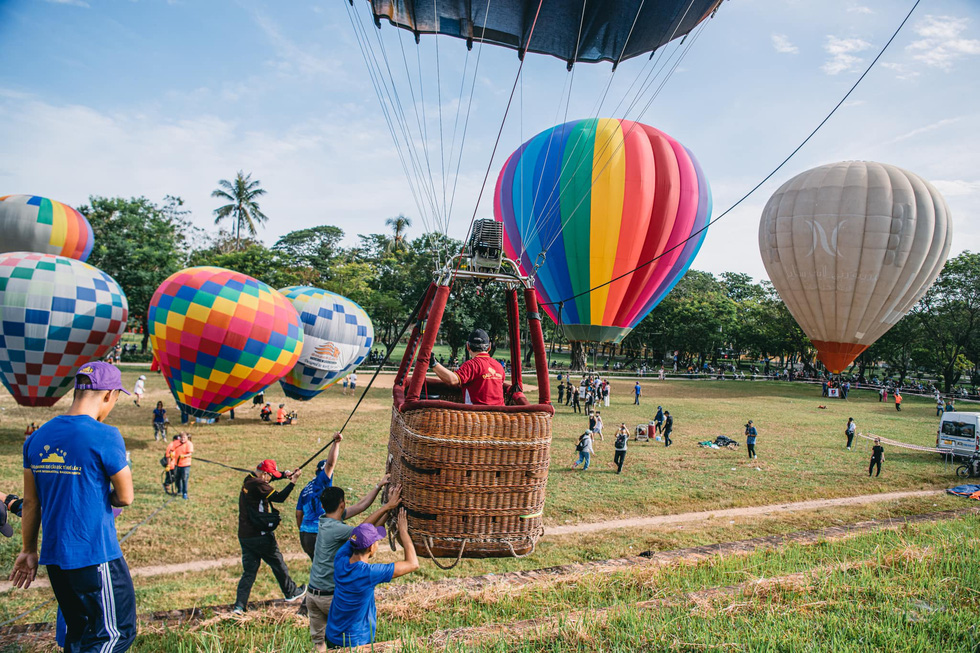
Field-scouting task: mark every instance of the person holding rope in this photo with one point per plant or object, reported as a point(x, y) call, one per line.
point(180, 462)
point(308, 506)
point(481, 377)
point(257, 522)
point(333, 533)
point(75, 472)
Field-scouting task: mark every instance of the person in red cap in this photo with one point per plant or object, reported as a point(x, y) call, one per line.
point(481, 377)
point(75, 473)
point(257, 522)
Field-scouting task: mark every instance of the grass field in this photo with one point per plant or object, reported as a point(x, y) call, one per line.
point(801, 456)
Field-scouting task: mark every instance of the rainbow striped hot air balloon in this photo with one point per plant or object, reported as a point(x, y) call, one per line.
point(592, 200)
point(56, 314)
point(221, 337)
point(29, 223)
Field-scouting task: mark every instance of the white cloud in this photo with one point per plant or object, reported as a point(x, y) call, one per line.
point(924, 130)
point(941, 42)
point(901, 70)
point(783, 45)
point(293, 58)
point(860, 9)
point(957, 187)
point(842, 54)
point(73, 3)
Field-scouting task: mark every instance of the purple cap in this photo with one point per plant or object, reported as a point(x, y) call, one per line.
point(367, 534)
point(103, 376)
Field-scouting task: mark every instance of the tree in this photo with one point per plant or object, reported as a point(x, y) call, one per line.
point(399, 225)
point(950, 316)
point(242, 206)
point(138, 244)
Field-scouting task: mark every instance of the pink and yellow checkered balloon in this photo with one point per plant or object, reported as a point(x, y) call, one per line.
point(221, 337)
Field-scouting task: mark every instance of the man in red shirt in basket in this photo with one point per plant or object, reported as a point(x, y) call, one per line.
point(481, 377)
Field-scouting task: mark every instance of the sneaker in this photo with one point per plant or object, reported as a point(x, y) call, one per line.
point(238, 610)
point(185, 495)
point(300, 593)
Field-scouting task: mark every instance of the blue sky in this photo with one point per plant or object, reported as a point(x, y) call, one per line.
point(154, 97)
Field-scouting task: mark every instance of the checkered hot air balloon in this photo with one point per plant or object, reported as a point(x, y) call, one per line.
point(338, 336)
point(221, 337)
point(56, 314)
point(29, 223)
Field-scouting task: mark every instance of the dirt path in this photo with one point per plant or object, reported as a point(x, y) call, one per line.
point(559, 531)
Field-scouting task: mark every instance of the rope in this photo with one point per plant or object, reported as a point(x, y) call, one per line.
point(121, 540)
point(903, 445)
point(215, 462)
point(767, 177)
point(436, 562)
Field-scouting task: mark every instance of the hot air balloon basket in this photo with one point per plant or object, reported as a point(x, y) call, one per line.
point(473, 481)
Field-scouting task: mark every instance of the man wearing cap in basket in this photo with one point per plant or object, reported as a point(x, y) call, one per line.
point(481, 377)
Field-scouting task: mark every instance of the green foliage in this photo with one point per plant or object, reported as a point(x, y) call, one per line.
point(242, 207)
point(138, 244)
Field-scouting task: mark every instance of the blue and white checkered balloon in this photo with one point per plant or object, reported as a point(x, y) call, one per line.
point(337, 336)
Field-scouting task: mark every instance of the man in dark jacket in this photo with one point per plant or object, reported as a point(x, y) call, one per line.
point(257, 521)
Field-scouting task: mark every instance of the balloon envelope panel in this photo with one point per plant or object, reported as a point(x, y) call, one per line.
point(56, 314)
point(338, 335)
point(602, 198)
point(221, 337)
point(851, 247)
point(29, 223)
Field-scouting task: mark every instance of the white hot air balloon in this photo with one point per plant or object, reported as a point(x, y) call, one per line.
point(851, 247)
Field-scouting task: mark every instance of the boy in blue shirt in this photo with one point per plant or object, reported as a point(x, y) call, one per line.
point(70, 464)
point(353, 617)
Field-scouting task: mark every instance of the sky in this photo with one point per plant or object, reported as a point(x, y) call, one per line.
point(156, 97)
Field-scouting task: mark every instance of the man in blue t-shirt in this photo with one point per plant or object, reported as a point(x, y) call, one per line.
point(353, 617)
point(750, 435)
point(75, 472)
point(308, 508)
point(637, 389)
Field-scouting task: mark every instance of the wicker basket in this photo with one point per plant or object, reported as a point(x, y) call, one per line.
point(473, 481)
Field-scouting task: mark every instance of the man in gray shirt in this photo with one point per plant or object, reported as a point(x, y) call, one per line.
point(333, 532)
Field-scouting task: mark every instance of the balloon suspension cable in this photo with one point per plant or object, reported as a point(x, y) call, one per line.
point(764, 179)
point(561, 306)
point(500, 131)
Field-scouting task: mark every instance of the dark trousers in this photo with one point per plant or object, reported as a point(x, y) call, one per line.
point(636, 400)
point(850, 439)
point(874, 462)
point(255, 551)
point(898, 407)
point(659, 428)
point(308, 542)
point(98, 604)
point(619, 458)
point(667, 440)
point(181, 476)
point(575, 406)
point(751, 448)
point(561, 395)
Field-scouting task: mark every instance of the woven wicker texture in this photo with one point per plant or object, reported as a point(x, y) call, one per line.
point(471, 477)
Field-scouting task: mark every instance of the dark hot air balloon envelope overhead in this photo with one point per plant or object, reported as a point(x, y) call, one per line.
point(597, 30)
point(601, 198)
point(851, 247)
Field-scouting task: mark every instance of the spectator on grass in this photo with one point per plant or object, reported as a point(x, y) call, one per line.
point(353, 615)
point(637, 390)
point(333, 532)
point(353, 382)
point(181, 463)
point(668, 428)
point(898, 401)
point(561, 390)
point(281, 415)
point(308, 507)
point(877, 456)
point(159, 422)
point(619, 457)
point(584, 450)
point(849, 431)
point(30, 429)
point(597, 429)
point(75, 472)
point(257, 522)
point(577, 398)
point(939, 406)
point(139, 389)
point(659, 420)
point(750, 435)
point(481, 378)
point(605, 393)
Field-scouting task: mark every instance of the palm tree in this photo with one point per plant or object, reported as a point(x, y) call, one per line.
point(399, 225)
point(242, 207)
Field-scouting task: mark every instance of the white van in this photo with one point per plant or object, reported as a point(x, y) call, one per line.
point(958, 433)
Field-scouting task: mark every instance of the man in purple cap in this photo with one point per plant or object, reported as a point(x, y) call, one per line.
point(70, 464)
point(353, 617)
point(257, 522)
